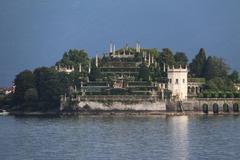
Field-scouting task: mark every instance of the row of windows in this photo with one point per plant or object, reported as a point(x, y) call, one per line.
point(176, 81)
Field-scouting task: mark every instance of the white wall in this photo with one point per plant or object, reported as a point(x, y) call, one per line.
point(179, 89)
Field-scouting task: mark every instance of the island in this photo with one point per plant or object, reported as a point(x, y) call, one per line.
point(128, 79)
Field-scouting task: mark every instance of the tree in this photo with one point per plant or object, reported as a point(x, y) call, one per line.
point(180, 59)
point(220, 84)
point(144, 73)
point(50, 86)
point(215, 67)
point(95, 73)
point(166, 56)
point(74, 57)
point(198, 63)
point(31, 95)
point(234, 76)
point(23, 81)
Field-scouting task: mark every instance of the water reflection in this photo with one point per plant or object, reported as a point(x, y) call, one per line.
point(179, 137)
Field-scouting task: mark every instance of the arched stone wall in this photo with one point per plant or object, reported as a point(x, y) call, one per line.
point(196, 104)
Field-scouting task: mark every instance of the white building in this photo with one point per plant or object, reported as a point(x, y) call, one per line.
point(178, 83)
point(67, 69)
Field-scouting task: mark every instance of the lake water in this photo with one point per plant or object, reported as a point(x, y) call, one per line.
point(120, 138)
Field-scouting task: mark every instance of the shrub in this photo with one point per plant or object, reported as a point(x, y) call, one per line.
point(229, 95)
point(206, 94)
point(221, 95)
point(214, 95)
point(236, 95)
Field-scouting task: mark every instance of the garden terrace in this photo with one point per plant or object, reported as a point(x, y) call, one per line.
point(139, 83)
point(141, 88)
point(197, 80)
point(120, 69)
point(120, 64)
point(94, 88)
point(96, 83)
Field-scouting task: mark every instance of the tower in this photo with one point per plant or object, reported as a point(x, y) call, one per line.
point(177, 82)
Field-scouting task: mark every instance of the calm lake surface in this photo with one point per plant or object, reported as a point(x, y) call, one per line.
point(120, 138)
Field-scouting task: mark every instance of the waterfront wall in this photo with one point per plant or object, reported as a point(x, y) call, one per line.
point(143, 106)
point(197, 104)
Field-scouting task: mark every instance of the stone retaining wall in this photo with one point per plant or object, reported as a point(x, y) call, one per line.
point(143, 106)
point(197, 104)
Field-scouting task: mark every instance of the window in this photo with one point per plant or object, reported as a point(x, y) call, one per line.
point(170, 80)
point(176, 81)
point(183, 80)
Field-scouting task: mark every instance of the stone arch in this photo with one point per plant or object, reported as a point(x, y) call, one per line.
point(189, 89)
point(215, 108)
point(225, 107)
point(235, 107)
point(192, 89)
point(205, 108)
point(196, 89)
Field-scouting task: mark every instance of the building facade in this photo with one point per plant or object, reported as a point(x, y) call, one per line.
point(178, 82)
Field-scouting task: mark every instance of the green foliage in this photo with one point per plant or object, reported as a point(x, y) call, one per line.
point(215, 67)
point(167, 94)
point(50, 85)
point(24, 81)
point(234, 76)
point(197, 80)
point(41, 90)
point(198, 63)
point(144, 73)
point(157, 75)
point(220, 84)
point(71, 79)
point(31, 95)
point(166, 56)
point(180, 59)
point(95, 73)
point(74, 57)
point(236, 94)
point(206, 94)
point(104, 60)
point(153, 52)
point(6, 102)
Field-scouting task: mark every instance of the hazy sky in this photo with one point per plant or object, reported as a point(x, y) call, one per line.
point(36, 32)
